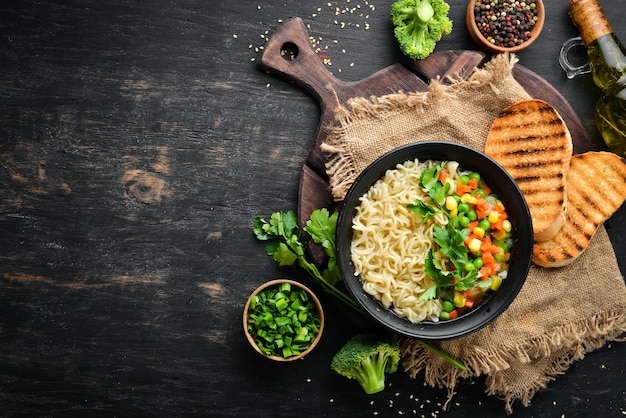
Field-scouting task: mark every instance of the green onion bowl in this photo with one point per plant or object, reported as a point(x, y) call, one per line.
point(283, 320)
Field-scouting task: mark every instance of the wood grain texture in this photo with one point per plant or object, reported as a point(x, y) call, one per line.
point(137, 143)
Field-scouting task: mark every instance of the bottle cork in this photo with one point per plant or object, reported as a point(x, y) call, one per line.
point(589, 18)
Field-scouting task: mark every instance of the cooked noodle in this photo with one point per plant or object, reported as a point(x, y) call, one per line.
point(390, 243)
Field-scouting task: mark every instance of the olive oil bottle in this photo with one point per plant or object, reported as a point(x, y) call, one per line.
point(607, 61)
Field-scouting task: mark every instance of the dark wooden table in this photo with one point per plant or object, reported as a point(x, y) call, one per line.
point(137, 143)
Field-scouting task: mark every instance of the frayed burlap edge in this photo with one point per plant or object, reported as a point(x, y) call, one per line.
point(583, 336)
point(339, 165)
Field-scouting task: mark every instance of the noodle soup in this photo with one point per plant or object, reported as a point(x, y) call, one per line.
point(430, 240)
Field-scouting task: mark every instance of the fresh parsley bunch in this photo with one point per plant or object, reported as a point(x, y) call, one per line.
point(287, 247)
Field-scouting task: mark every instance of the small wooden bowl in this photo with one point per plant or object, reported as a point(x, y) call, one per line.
point(484, 44)
point(320, 315)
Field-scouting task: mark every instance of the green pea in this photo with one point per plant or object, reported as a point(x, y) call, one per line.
point(465, 179)
point(474, 175)
point(447, 306)
point(463, 207)
point(471, 215)
point(484, 224)
point(464, 221)
point(469, 266)
point(478, 262)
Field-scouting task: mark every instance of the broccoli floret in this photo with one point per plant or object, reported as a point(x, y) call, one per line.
point(367, 358)
point(419, 24)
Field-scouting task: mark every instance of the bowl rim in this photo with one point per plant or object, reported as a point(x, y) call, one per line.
point(478, 37)
point(314, 298)
point(498, 179)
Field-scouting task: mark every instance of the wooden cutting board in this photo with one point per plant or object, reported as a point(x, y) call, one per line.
point(289, 53)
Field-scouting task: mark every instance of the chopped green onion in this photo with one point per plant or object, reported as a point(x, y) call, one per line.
point(283, 320)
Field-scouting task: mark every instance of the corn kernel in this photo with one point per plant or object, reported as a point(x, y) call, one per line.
point(451, 203)
point(474, 245)
point(496, 281)
point(506, 225)
point(479, 232)
point(493, 217)
point(458, 300)
point(466, 198)
point(454, 212)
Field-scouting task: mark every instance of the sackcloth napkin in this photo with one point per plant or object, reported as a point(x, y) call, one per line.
point(559, 315)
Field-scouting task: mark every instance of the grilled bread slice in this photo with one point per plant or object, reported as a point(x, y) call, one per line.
point(596, 188)
point(531, 141)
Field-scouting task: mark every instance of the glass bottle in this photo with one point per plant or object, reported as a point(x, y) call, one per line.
point(607, 62)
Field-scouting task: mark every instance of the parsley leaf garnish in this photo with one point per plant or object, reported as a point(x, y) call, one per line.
point(422, 209)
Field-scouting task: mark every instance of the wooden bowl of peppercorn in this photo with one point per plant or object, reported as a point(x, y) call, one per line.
point(504, 25)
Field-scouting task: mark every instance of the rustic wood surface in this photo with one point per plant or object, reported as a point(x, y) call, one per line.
point(137, 143)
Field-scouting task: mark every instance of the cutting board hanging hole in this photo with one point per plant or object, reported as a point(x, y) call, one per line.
point(289, 51)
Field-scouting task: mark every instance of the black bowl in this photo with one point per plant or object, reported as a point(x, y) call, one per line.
point(505, 188)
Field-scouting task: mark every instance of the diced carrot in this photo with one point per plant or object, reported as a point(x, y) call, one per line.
point(473, 293)
point(488, 258)
point(482, 207)
point(507, 256)
point(485, 273)
point(486, 245)
point(482, 204)
point(454, 314)
point(461, 189)
point(486, 189)
point(443, 175)
point(469, 303)
point(488, 261)
point(498, 225)
point(473, 183)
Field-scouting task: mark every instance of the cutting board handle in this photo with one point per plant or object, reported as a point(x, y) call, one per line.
point(290, 53)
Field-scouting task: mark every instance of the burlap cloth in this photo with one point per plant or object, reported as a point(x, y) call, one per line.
point(560, 313)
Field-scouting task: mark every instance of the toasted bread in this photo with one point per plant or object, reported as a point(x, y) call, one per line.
point(596, 188)
point(531, 141)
